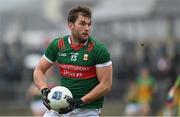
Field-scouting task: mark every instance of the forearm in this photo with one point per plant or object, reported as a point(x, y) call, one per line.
point(39, 79)
point(104, 75)
point(99, 91)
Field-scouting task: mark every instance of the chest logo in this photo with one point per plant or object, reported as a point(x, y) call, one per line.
point(85, 58)
point(62, 54)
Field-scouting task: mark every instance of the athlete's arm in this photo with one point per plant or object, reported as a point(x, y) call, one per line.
point(172, 91)
point(104, 75)
point(39, 73)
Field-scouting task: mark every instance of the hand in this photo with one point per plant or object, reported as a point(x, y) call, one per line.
point(45, 100)
point(170, 99)
point(73, 104)
point(170, 96)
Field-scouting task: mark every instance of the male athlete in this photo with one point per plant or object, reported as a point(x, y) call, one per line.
point(84, 64)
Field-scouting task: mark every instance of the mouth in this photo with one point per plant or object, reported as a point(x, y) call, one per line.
point(85, 34)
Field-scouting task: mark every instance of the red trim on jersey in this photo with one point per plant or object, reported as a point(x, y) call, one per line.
point(61, 44)
point(75, 71)
point(90, 46)
point(76, 47)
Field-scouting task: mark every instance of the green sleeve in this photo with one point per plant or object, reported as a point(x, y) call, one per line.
point(102, 55)
point(177, 83)
point(52, 50)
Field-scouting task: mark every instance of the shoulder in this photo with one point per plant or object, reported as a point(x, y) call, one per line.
point(100, 52)
point(57, 40)
point(98, 45)
point(95, 41)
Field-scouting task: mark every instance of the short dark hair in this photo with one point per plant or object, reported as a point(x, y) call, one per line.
point(75, 12)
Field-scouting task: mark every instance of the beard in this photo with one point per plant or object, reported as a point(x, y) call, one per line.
point(82, 40)
point(79, 37)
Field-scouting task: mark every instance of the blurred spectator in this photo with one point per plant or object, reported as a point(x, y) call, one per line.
point(127, 64)
point(163, 63)
point(146, 55)
point(175, 64)
point(145, 84)
point(132, 107)
point(9, 67)
point(34, 97)
point(173, 99)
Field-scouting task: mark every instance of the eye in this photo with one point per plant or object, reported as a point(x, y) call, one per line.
point(89, 24)
point(82, 23)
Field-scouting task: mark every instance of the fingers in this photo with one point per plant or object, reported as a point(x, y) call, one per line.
point(45, 102)
point(170, 99)
point(62, 111)
point(69, 99)
point(65, 110)
point(47, 105)
point(45, 99)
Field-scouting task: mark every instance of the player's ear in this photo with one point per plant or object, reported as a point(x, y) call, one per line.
point(70, 25)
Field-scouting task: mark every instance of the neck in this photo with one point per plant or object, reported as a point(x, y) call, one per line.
point(76, 41)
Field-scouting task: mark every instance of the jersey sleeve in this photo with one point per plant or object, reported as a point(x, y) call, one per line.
point(52, 51)
point(102, 57)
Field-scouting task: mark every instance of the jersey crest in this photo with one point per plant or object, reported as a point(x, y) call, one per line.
point(85, 58)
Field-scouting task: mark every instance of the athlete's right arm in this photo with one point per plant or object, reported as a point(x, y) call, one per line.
point(39, 73)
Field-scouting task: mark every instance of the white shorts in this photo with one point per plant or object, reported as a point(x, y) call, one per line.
point(75, 113)
point(37, 106)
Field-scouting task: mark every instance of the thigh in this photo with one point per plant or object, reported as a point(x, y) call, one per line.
point(37, 106)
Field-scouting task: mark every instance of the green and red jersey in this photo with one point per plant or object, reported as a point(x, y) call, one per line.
point(77, 65)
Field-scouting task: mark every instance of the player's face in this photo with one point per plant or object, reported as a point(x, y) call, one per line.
point(81, 28)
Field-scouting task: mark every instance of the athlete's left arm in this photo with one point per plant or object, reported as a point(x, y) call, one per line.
point(104, 75)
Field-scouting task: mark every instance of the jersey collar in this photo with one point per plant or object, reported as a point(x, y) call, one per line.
point(76, 47)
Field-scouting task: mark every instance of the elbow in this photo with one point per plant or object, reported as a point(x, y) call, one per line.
point(107, 89)
point(34, 75)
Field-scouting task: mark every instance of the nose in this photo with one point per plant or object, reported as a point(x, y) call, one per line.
point(87, 27)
